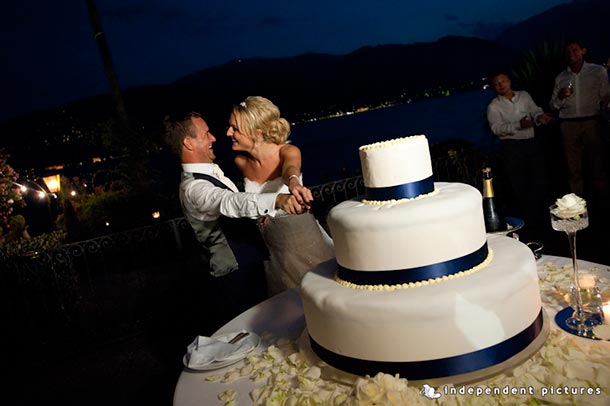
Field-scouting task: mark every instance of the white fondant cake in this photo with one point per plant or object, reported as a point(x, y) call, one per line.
point(417, 287)
point(419, 232)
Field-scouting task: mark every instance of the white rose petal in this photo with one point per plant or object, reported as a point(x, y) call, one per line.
point(306, 384)
point(313, 373)
point(291, 401)
point(296, 359)
point(231, 376)
point(246, 370)
point(339, 399)
point(260, 375)
point(274, 353)
point(227, 395)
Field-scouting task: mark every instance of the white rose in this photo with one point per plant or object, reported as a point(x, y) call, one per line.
point(387, 381)
point(368, 392)
point(570, 206)
point(393, 398)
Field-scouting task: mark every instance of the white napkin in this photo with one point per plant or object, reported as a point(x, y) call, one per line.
point(206, 350)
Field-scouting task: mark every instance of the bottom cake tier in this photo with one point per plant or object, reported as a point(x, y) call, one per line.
point(436, 330)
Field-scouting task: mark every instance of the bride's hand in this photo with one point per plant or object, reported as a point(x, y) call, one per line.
point(301, 193)
point(289, 204)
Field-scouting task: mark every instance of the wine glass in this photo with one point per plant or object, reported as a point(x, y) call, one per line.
point(578, 321)
point(570, 89)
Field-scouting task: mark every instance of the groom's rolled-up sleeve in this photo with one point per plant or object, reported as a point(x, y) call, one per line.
point(211, 201)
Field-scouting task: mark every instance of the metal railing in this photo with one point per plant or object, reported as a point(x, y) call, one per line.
point(96, 290)
point(111, 286)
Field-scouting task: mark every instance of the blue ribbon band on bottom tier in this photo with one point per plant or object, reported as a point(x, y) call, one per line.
point(405, 191)
point(437, 368)
point(417, 274)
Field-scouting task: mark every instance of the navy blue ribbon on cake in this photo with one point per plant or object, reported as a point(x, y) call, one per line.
point(417, 274)
point(404, 191)
point(436, 368)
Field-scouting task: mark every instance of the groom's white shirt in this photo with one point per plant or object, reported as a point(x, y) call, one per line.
point(206, 202)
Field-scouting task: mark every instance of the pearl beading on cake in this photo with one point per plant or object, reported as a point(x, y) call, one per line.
point(417, 284)
point(398, 201)
point(388, 143)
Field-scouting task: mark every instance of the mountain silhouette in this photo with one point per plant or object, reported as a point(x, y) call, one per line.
point(304, 86)
point(313, 83)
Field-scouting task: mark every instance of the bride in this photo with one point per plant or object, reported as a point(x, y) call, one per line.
point(270, 164)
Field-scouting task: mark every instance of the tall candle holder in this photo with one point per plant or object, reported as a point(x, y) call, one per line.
point(570, 222)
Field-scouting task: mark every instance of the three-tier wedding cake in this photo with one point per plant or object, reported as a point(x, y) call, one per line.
point(418, 288)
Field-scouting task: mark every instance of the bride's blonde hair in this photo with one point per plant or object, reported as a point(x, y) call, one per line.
point(259, 113)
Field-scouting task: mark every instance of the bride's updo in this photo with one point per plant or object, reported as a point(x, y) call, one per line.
point(256, 113)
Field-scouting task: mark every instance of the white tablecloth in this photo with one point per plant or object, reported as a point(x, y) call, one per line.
point(282, 316)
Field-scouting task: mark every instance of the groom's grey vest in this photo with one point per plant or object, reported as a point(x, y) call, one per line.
point(229, 243)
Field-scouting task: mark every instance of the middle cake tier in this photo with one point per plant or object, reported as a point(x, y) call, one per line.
point(445, 227)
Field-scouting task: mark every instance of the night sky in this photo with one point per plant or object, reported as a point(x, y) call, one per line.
point(50, 56)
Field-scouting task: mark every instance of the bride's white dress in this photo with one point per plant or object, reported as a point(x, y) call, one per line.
point(296, 243)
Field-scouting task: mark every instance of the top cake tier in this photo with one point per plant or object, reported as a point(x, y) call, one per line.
point(397, 169)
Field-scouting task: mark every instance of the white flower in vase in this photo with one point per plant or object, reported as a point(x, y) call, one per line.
point(569, 206)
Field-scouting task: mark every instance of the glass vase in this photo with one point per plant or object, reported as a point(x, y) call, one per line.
point(579, 321)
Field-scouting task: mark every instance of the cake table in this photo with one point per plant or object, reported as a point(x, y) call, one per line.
point(282, 316)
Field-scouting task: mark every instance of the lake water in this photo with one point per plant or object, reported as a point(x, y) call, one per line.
point(330, 147)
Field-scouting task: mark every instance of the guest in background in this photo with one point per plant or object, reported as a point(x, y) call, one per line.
point(512, 116)
point(270, 164)
point(580, 92)
point(230, 245)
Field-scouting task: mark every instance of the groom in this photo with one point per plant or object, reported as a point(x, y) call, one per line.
point(222, 218)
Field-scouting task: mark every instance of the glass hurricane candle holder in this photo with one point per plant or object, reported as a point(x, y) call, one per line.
point(579, 322)
point(591, 299)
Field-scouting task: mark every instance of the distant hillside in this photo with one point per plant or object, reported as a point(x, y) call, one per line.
point(367, 76)
point(588, 20)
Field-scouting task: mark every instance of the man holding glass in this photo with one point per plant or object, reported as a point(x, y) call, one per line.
point(513, 115)
point(581, 92)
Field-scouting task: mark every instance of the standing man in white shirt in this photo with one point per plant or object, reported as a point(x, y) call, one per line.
point(222, 218)
point(580, 92)
point(512, 117)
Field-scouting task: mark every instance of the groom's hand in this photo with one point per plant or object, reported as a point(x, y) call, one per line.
point(301, 193)
point(288, 203)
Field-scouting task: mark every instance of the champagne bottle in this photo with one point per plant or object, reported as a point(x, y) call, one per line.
point(493, 219)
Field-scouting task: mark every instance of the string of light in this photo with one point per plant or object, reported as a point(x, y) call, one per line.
point(38, 190)
point(41, 193)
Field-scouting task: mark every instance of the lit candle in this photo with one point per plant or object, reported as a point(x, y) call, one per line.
point(587, 281)
point(606, 310)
